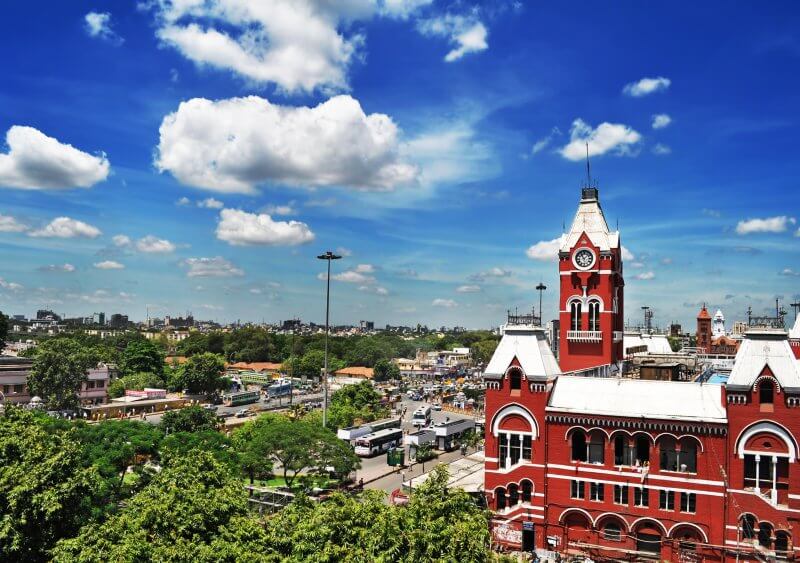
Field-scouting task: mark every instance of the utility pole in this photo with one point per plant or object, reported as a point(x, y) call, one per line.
point(329, 256)
point(540, 288)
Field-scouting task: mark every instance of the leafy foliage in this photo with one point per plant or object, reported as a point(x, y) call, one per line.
point(59, 369)
point(45, 492)
point(141, 356)
point(179, 444)
point(386, 370)
point(356, 402)
point(189, 419)
point(202, 373)
point(136, 381)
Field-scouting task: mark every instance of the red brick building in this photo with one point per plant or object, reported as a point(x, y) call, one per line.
point(620, 469)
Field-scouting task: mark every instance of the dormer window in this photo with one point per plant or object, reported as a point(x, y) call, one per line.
point(515, 378)
point(766, 392)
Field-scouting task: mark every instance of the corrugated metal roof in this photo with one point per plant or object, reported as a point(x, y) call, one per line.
point(765, 347)
point(636, 398)
point(529, 345)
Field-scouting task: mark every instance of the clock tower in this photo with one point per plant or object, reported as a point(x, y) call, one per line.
point(591, 298)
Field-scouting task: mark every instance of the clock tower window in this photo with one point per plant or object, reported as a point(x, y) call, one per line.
point(594, 315)
point(575, 316)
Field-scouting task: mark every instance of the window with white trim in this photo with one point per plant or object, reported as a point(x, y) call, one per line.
point(594, 315)
point(689, 502)
point(577, 490)
point(596, 492)
point(641, 496)
point(666, 500)
point(621, 494)
point(612, 532)
point(575, 316)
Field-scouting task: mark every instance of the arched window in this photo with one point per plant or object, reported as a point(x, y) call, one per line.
point(642, 450)
point(748, 524)
point(513, 494)
point(596, 448)
point(781, 543)
point(502, 447)
point(687, 459)
point(766, 392)
point(594, 315)
point(624, 454)
point(527, 490)
point(500, 498)
point(668, 453)
point(515, 376)
point(578, 446)
point(765, 535)
point(575, 316)
point(612, 532)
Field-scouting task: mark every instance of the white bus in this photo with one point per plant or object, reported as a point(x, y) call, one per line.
point(378, 442)
point(421, 416)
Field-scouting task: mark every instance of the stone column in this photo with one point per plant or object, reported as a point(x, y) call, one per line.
point(758, 473)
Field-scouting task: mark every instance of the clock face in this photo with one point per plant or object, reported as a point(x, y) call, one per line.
point(584, 258)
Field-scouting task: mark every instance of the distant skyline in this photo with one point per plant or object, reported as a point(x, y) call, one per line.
point(197, 156)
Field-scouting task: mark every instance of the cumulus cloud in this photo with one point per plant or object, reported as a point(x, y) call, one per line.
point(210, 203)
point(9, 224)
point(11, 286)
point(661, 120)
point(240, 228)
point(342, 251)
point(646, 86)
point(627, 254)
point(280, 209)
point(465, 33)
point(446, 303)
point(661, 149)
point(615, 138)
point(35, 161)
point(65, 227)
point(154, 245)
point(495, 272)
point(235, 144)
point(789, 273)
point(183, 201)
point(217, 267)
point(121, 240)
point(778, 224)
point(67, 268)
point(468, 289)
point(645, 276)
point(403, 8)
point(98, 24)
point(545, 250)
point(109, 265)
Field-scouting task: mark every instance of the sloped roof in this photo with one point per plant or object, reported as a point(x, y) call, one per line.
point(765, 347)
point(637, 398)
point(795, 332)
point(703, 314)
point(528, 344)
point(256, 366)
point(356, 371)
point(656, 343)
point(589, 219)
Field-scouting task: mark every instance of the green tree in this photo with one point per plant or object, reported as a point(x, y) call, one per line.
point(249, 344)
point(483, 350)
point(179, 444)
point(367, 351)
point(353, 402)
point(386, 370)
point(3, 328)
point(202, 373)
point(59, 369)
point(189, 419)
point(137, 381)
point(46, 493)
point(141, 356)
point(193, 510)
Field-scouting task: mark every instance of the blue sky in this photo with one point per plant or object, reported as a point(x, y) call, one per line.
point(197, 155)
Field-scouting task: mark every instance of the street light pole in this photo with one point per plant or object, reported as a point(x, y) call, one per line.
point(540, 288)
point(327, 256)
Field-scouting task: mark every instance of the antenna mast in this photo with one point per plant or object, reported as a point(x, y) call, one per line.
point(588, 167)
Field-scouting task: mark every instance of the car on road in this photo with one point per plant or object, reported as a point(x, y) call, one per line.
point(212, 408)
point(437, 407)
point(242, 413)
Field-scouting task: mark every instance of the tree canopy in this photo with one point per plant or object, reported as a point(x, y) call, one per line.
point(141, 356)
point(356, 402)
point(202, 373)
point(59, 369)
point(189, 419)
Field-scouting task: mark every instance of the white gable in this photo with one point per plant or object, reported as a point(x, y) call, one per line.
point(529, 345)
point(765, 347)
point(589, 219)
point(637, 398)
point(795, 332)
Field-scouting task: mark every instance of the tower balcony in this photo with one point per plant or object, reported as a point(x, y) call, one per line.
point(585, 335)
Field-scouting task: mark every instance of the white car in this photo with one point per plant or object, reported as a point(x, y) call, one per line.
point(242, 413)
point(436, 407)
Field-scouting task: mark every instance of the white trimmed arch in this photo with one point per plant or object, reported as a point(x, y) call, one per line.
point(769, 427)
point(586, 431)
point(590, 298)
point(568, 511)
point(510, 410)
point(638, 521)
point(616, 516)
point(679, 438)
point(688, 525)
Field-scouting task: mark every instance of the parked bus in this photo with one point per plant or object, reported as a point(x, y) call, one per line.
point(421, 416)
point(281, 388)
point(378, 442)
point(240, 398)
point(351, 433)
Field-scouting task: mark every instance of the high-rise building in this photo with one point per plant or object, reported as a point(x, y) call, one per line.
point(591, 300)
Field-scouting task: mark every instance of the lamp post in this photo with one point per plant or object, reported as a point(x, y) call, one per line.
point(540, 288)
point(327, 256)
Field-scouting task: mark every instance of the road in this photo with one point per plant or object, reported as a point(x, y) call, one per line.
point(376, 467)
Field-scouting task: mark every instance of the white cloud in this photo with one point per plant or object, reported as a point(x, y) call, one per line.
point(447, 303)
point(217, 267)
point(777, 224)
point(210, 203)
point(666, 260)
point(68, 268)
point(661, 120)
point(342, 251)
point(465, 33)
point(712, 213)
point(9, 224)
point(35, 161)
point(545, 250)
point(12, 286)
point(109, 265)
point(627, 254)
point(468, 289)
point(645, 276)
point(65, 227)
point(280, 209)
point(232, 145)
point(240, 228)
point(154, 245)
point(98, 24)
point(349, 276)
point(661, 149)
point(789, 272)
point(365, 269)
point(495, 272)
point(376, 289)
point(607, 137)
point(646, 86)
point(121, 240)
point(183, 201)
point(403, 8)
point(543, 143)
